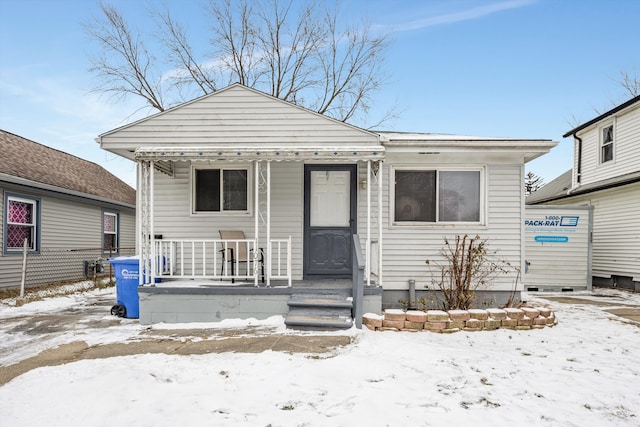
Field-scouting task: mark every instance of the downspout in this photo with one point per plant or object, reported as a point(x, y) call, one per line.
point(579, 165)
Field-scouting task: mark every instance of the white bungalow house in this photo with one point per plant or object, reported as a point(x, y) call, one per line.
point(606, 176)
point(320, 203)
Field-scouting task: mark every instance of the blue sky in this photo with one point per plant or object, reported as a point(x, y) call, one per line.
point(508, 68)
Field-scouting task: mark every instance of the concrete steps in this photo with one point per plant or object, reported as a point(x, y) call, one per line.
point(319, 312)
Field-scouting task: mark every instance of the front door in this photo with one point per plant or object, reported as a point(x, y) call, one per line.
point(329, 220)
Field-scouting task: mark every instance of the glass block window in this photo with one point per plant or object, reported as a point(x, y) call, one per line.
point(21, 223)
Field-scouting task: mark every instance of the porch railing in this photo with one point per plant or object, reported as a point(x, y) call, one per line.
point(220, 259)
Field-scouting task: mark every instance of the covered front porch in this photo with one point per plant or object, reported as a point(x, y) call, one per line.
point(274, 259)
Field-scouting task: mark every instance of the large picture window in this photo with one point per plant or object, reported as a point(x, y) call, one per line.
point(221, 190)
point(432, 196)
point(21, 222)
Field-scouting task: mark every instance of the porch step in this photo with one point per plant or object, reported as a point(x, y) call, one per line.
point(319, 312)
point(318, 322)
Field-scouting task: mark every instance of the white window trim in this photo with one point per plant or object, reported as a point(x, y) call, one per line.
point(438, 168)
point(221, 166)
point(34, 223)
point(115, 233)
point(601, 128)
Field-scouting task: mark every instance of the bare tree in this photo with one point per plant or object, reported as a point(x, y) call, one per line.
point(629, 82)
point(125, 66)
point(293, 50)
point(532, 183)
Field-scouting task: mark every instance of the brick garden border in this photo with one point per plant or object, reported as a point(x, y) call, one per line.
point(523, 318)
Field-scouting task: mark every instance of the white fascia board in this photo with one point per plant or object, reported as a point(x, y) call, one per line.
point(249, 153)
point(530, 149)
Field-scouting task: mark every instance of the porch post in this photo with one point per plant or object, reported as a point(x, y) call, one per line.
point(144, 221)
point(268, 223)
point(256, 206)
point(151, 275)
point(367, 261)
point(138, 206)
point(379, 223)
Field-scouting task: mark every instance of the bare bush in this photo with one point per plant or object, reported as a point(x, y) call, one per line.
point(467, 265)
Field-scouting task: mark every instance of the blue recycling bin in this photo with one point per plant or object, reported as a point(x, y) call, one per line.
point(127, 279)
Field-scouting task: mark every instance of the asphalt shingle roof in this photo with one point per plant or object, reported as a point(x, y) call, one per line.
point(23, 158)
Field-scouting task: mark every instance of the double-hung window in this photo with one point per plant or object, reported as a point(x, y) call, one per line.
point(437, 196)
point(224, 190)
point(110, 229)
point(606, 144)
point(21, 223)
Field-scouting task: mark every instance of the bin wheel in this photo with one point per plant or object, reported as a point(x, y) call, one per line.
point(119, 310)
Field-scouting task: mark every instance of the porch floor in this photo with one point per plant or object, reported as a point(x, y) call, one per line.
point(202, 300)
point(296, 284)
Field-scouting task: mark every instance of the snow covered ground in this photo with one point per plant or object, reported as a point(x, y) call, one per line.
point(583, 372)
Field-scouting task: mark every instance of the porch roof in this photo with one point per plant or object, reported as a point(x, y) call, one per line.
point(255, 152)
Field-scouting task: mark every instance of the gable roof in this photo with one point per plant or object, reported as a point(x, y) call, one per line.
point(603, 116)
point(234, 116)
point(39, 164)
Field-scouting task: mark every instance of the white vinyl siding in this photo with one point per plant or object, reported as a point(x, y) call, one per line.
point(407, 248)
point(236, 116)
point(66, 223)
point(626, 137)
point(173, 221)
point(616, 230)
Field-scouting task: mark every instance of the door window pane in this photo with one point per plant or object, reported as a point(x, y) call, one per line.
point(330, 199)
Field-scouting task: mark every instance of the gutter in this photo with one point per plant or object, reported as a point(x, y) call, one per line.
point(602, 116)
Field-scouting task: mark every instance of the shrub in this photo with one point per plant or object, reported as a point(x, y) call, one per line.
point(467, 265)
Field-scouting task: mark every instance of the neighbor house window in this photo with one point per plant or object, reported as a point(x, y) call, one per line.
point(110, 231)
point(21, 223)
point(432, 196)
point(221, 190)
point(606, 150)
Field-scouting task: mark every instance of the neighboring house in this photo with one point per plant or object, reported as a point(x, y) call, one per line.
point(57, 201)
point(301, 185)
point(606, 175)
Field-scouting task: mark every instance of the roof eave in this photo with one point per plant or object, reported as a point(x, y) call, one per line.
point(603, 116)
point(48, 187)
